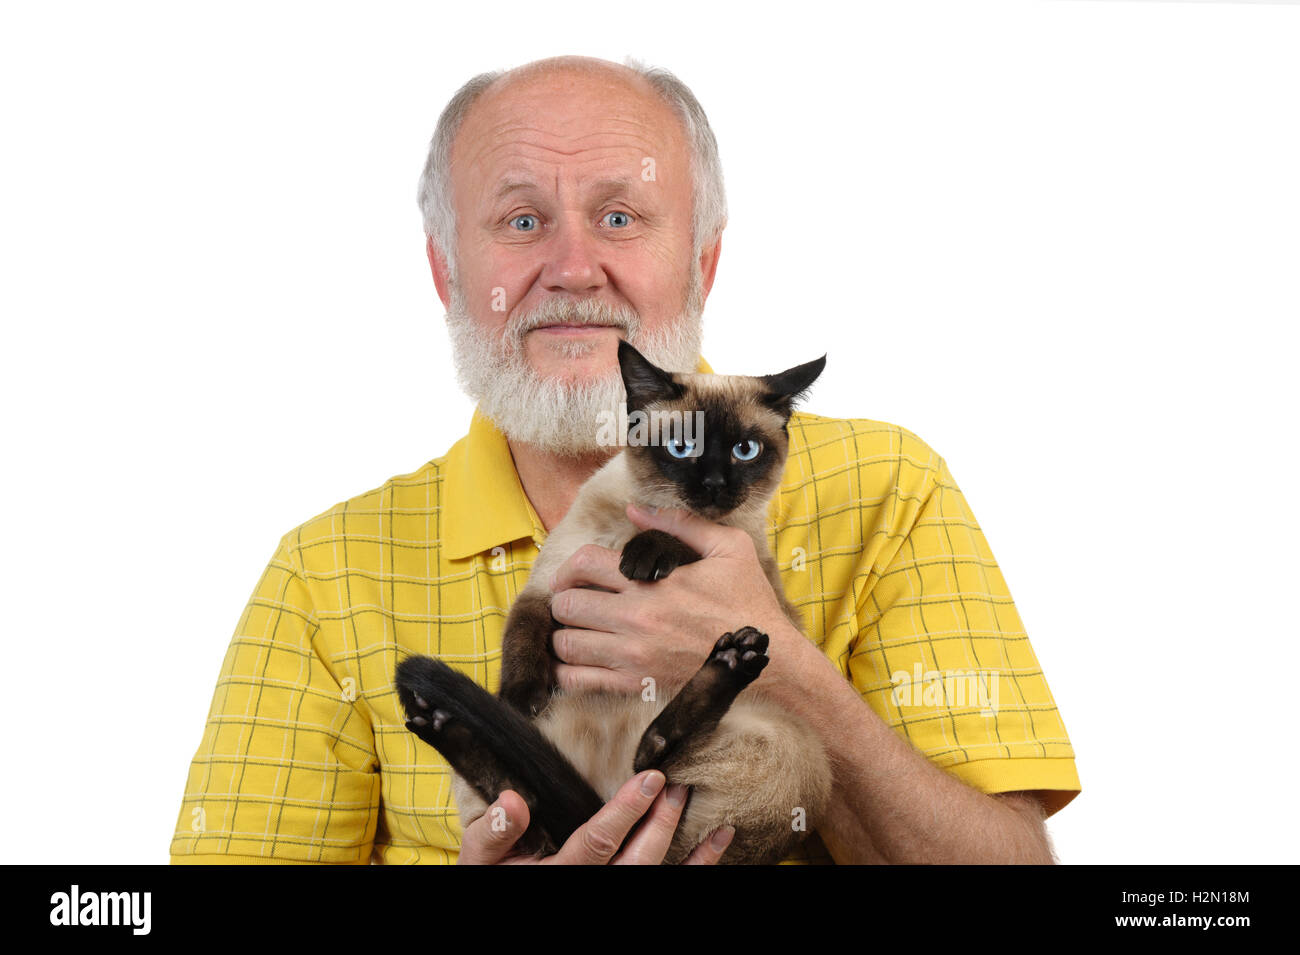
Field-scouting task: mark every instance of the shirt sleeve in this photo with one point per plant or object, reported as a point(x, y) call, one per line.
point(286, 771)
point(942, 655)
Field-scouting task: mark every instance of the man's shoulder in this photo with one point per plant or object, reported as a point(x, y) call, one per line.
point(863, 451)
point(409, 500)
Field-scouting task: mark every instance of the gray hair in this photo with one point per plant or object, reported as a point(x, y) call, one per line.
point(708, 194)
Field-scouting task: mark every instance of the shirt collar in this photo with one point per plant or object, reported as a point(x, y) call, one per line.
point(483, 502)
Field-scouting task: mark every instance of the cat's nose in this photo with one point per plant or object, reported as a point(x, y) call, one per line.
point(714, 481)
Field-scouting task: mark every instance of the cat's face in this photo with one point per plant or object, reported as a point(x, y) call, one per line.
point(712, 444)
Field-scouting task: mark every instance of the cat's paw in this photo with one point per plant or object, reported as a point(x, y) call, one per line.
point(529, 697)
point(426, 721)
point(742, 654)
point(653, 555)
point(417, 682)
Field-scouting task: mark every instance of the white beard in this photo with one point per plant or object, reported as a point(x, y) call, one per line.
point(562, 416)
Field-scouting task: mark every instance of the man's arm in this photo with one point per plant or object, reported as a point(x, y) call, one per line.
point(286, 769)
point(889, 803)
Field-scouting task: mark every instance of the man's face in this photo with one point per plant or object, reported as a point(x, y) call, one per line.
point(573, 209)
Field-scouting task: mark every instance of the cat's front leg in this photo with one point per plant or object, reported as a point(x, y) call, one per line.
point(653, 555)
point(526, 678)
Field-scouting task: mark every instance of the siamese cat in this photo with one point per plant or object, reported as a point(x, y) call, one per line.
point(748, 763)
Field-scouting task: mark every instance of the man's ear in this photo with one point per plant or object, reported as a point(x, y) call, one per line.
point(438, 264)
point(709, 264)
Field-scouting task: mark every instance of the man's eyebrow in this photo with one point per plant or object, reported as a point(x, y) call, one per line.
point(508, 186)
point(601, 188)
point(604, 188)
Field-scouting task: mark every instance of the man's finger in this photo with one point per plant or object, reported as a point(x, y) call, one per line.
point(582, 679)
point(587, 648)
point(490, 837)
point(596, 842)
point(589, 609)
point(711, 849)
point(651, 842)
point(590, 566)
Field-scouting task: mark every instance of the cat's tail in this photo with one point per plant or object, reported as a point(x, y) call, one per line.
point(494, 748)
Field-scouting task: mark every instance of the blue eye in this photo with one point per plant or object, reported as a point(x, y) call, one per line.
point(530, 219)
point(618, 220)
point(746, 450)
point(681, 449)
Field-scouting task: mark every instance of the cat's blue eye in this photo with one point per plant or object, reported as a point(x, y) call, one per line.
point(525, 222)
point(746, 450)
point(681, 449)
point(617, 220)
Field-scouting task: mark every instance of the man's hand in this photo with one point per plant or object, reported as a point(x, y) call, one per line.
point(615, 637)
point(601, 840)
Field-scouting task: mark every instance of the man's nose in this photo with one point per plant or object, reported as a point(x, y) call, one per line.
point(573, 262)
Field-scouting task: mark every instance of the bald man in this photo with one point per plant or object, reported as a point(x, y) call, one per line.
point(567, 204)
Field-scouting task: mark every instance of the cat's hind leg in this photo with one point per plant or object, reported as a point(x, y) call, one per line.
point(750, 765)
point(691, 716)
point(492, 747)
point(762, 771)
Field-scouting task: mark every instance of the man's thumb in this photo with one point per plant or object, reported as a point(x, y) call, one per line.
point(491, 836)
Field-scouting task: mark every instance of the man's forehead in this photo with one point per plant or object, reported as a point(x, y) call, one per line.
point(575, 120)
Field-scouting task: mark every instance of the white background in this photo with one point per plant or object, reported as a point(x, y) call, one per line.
point(1058, 240)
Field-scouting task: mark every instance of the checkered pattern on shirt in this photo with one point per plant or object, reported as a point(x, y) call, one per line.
point(305, 756)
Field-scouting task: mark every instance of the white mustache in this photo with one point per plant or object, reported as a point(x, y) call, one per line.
point(583, 312)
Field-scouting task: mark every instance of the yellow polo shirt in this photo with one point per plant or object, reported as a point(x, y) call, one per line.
point(306, 758)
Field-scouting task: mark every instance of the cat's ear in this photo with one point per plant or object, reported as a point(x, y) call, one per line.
point(644, 381)
point(786, 387)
